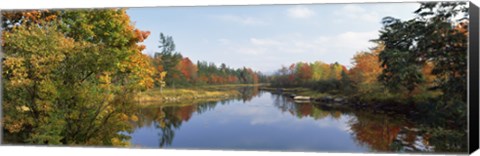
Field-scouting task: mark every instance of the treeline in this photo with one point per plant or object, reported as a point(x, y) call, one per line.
point(181, 71)
point(317, 75)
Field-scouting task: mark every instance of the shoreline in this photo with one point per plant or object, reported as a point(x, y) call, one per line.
point(306, 95)
point(194, 94)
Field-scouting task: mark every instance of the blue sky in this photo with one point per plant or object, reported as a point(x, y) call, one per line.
point(265, 37)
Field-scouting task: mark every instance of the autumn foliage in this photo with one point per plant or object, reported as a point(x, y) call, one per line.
point(70, 76)
point(310, 75)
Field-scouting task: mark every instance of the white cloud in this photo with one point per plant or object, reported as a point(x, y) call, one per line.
point(242, 20)
point(340, 124)
point(263, 42)
point(393, 10)
point(289, 45)
point(355, 40)
point(300, 12)
point(274, 51)
point(351, 8)
point(353, 11)
point(342, 47)
point(347, 42)
point(251, 50)
point(224, 41)
point(205, 41)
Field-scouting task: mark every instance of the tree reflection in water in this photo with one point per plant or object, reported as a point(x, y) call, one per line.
point(302, 110)
point(380, 132)
point(377, 131)
point(169, 118)
point(387, 133)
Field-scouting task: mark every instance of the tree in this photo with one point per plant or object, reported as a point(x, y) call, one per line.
point(318, 70)
point(188, 69)
point(161, 80)
point(281, 77)
point(335, 71)
point(367, 66)
point(444, 42)
point(432, 36)
point(402, 68)
point(436, 35)
point(27, 18)
point(366, 70)
point(303, 72)
point(318, 75)
point(166, 44)
point(71, 77)
point(169, 59)
point(346, 83)
point(30, 83)
point(291, 71)
point(158, 67)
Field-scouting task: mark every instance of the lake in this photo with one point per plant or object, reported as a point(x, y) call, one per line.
point(263, 120)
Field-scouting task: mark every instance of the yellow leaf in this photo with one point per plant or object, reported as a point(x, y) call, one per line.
point(134, 118)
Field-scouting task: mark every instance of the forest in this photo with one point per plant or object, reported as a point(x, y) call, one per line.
point(72, 77)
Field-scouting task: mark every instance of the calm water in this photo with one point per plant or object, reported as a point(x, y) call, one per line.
point(266, 121)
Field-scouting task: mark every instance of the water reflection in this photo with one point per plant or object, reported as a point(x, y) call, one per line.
point(383, 133)
point(302, 110)
point(169, 118)
point(380, 132)
point(248, 93)
point(265, 121)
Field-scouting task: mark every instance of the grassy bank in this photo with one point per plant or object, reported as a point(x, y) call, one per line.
point(375, 96)
point(377, 101)
point(191, 94)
